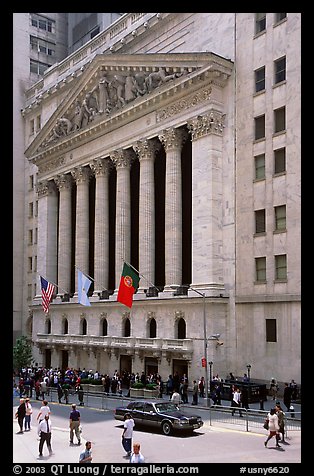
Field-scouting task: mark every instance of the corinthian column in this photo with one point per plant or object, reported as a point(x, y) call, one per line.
point(47, 231)
point(146, 151)
point(122, 161)
point(81, 176)
point(101, 168)
point(64, 184)
point(207, 251)
point(172, 140)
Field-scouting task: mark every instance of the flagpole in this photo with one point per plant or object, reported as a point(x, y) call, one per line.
point(142, 275)
point(49, 281)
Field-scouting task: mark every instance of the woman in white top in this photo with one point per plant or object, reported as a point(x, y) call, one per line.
point(273, 426)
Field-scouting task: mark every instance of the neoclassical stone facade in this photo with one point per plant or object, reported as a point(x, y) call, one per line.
point(149, 158)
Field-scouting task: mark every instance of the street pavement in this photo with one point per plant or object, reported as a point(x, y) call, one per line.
point(217, 443)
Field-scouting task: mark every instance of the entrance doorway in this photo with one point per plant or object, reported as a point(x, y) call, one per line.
point(151, 365)
point(47, 358)
point(65, 360)
point(180, 366)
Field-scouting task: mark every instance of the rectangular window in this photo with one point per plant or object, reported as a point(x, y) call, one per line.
point(38, 67)
point(260, 269)
point(260, 226)
point(30, 210)
point(280, 16)
point(260, 22)
point(31, 182)
point(32, 127)
point(259, 166)
point(259, 127)
point(260, 79)
point(280, 70)
point(30, 237)
point(271, 330)
point(38, 122)
point(36, 236)
point(281, 267)
point(280, 160)
point(30, 264)
point(36, 208)
point(280, 119)
point(29, 291)
point(42, 23)
point(280, 218)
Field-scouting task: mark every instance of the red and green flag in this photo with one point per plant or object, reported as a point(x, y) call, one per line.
point(128, 285)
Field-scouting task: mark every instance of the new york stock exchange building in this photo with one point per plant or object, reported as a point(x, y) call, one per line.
point(159, 148)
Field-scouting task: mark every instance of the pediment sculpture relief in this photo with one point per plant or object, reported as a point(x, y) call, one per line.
point(113, 91)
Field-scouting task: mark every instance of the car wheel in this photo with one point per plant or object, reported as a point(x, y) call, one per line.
point(166, 428)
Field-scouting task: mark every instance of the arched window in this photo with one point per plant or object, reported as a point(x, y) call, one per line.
point(104, 327)
point(48, 326)
point(65, 326)
point(152, 328)
point(127, 328)
point(181, 329)
point(83, 327)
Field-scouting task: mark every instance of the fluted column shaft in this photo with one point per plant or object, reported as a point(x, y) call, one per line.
point(207, 219)
point(64, 184)
point(101, 168)
point(146, 150)
point(81, 176)
point(47, 231)
point(172, 140)
point(122, 161)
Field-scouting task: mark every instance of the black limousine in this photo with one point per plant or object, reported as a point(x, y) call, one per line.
point(166, 416)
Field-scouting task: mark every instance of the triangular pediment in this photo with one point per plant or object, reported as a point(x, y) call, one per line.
point(115, 87)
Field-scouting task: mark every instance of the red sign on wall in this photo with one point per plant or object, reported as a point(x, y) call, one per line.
point(203, 362)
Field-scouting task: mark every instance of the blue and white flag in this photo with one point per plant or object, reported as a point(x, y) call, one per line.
point(83, 286)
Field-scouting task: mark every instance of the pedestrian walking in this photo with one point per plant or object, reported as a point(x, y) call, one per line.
point(287, 393)
point(86, 455)
point(281, 421)
point(20, 414)
point(28, 415)
point(176, 397)
point(236, 401)
point(273, 427)
point(43, 411)
point(60, 392)
point(127, 433)
point(195, 393)
point(75, 420)
point(80, 393)
point(273, 388)
point(44, 432)
point(136, 455)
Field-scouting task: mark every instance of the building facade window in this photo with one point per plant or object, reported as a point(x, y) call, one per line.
point(152, 329)
point(30, 237)
point(181, 329)
point(260, 79)
point(260, 221)
point(32, 127)
point(83, 326)
point(37, 67)
point(260, 22)
point(42, 46)
point(280, 160)
point(42, 23)
point(127, 328)
point(31, 182)
point(279, 17)
point(279, 120)
point(271, 330)
point(65, 326)
point(259, 127)
point(30, 264)
point(281, 267)
point(30, 210)
point(104, 327)
point(280, 70)
point(260, 269)
point(280, 218)
point(259, 161)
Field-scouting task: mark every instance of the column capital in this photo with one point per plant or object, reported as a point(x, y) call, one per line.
point(81, 174)
point(172, 138)
point(146, 148)
point(211, 123)
point(45, 188)
point(101, 166)
point(122, 158)
point(63, 181)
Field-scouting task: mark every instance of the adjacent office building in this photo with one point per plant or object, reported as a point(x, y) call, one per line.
point(170, 141)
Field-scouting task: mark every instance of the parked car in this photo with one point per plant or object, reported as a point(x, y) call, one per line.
point(166, 416)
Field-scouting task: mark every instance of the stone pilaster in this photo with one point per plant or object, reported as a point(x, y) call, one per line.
point(81, 176)
point(64, 183)
point(207, 216)
point(172, 140)
point(101, 169)
point(146, 151)
point(122, 161)
point(47, 231)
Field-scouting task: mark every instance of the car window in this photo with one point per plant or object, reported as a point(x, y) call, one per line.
point(149, 407)
point(138, 406)
point(166, 407)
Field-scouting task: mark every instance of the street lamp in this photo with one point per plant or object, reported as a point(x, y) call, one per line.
point(210, 373)
point(205, 340)
point(249, 366)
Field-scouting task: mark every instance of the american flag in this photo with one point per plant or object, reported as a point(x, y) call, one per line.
point(47, 290)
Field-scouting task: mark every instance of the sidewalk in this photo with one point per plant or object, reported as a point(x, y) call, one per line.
point(25, 447)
